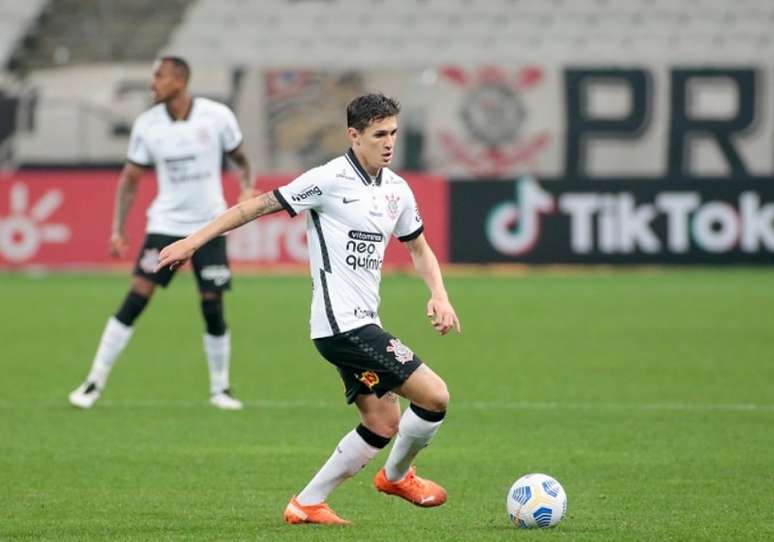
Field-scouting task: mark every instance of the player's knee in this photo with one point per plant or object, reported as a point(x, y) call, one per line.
point(143, 287)
point(391, 425)
point(384, 425)
point(438, 399)
point(212, 311)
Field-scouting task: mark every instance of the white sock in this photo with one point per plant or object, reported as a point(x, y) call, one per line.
point(114, 339)
point(351, 455)
point(218, 350)
point(414, 433)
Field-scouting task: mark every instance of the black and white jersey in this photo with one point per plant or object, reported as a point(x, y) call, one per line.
point(350, 220)
point(188, 157)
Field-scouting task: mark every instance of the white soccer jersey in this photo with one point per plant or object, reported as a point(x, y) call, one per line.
point(350, 220)
point(188, 156)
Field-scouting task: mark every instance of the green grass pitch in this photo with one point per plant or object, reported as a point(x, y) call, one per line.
point(648, 393)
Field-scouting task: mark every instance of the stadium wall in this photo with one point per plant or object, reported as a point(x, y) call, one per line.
point(62, 220)
point(642, 119)
point(641, 163)
point(632, 221)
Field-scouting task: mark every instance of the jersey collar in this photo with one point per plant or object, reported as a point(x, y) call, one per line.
point(187, 114)
point(360, 170)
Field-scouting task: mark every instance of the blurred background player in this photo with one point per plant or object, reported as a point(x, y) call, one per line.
point(184, 137)
point(355, 204)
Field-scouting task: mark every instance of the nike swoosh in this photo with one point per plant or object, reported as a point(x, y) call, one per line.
point(345, 200)
point(429, 498)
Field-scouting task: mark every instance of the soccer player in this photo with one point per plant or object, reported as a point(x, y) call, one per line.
point(354, 204)
point(184, 138)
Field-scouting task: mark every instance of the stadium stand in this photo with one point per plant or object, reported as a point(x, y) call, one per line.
point(237, 46)
point(16, 19)
point(355, 33)
point(88, 31)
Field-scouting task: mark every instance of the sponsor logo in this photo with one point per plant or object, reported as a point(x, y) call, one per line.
point(392, 205)
point(148, 260)
point(306, 193)
point(343, 175)
point(390, 179)
point(364, 313)
point(401, 352)
point(369, 378)
point(346, 201)
point(135, 144)
point(25, 229)
point(374, 237)
point(615, 222)
point(417, 215)
point(218, 274)
point(623, 226)
point(513, 228)
point(185, 169)
point(363, 254)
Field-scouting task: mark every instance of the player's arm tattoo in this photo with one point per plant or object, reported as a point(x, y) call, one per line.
point(240, 159)
point(264, 204)
point(125, 195)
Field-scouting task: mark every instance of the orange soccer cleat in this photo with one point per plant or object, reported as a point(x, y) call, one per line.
point(321, 514)
point(414, 489)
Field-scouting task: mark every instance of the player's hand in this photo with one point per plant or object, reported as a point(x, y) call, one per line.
point(119, 245)
point(247, 194)
point(175, 255)
point(442, 316)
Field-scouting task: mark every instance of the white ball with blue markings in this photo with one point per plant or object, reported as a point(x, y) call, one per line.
point(536, 500)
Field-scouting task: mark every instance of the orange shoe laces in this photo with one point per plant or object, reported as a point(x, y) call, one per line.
point(412, 480)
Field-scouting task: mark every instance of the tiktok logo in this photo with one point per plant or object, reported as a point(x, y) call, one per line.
point(24, 229)
point(513, 228)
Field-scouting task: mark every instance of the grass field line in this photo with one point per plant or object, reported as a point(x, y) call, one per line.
point(270, 404)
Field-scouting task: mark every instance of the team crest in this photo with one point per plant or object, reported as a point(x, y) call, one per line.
point(401, 352)
point(218, 274)
point(149, 260)
point(392, 205)
point(493, 134)
point(369, 379)
point(203, 136)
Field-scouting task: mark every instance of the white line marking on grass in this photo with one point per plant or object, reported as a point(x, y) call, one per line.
point(270, 404)
point(603, 405)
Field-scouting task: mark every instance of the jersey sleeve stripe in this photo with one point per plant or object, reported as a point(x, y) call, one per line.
point(285, 205)
point(323, 247)
point(234, 147)
point(138, 164)
point(413, 235)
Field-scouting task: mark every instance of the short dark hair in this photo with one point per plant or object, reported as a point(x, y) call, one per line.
point(180, 65)
point(370, 107)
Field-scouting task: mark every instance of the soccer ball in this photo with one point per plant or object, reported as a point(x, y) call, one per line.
point(536, 500)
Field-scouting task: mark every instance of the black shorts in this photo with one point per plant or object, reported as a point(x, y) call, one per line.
point(210, 263)
point(369, 360)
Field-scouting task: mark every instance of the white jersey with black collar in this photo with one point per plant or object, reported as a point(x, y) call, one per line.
point(350, 220)
point(188, 155)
